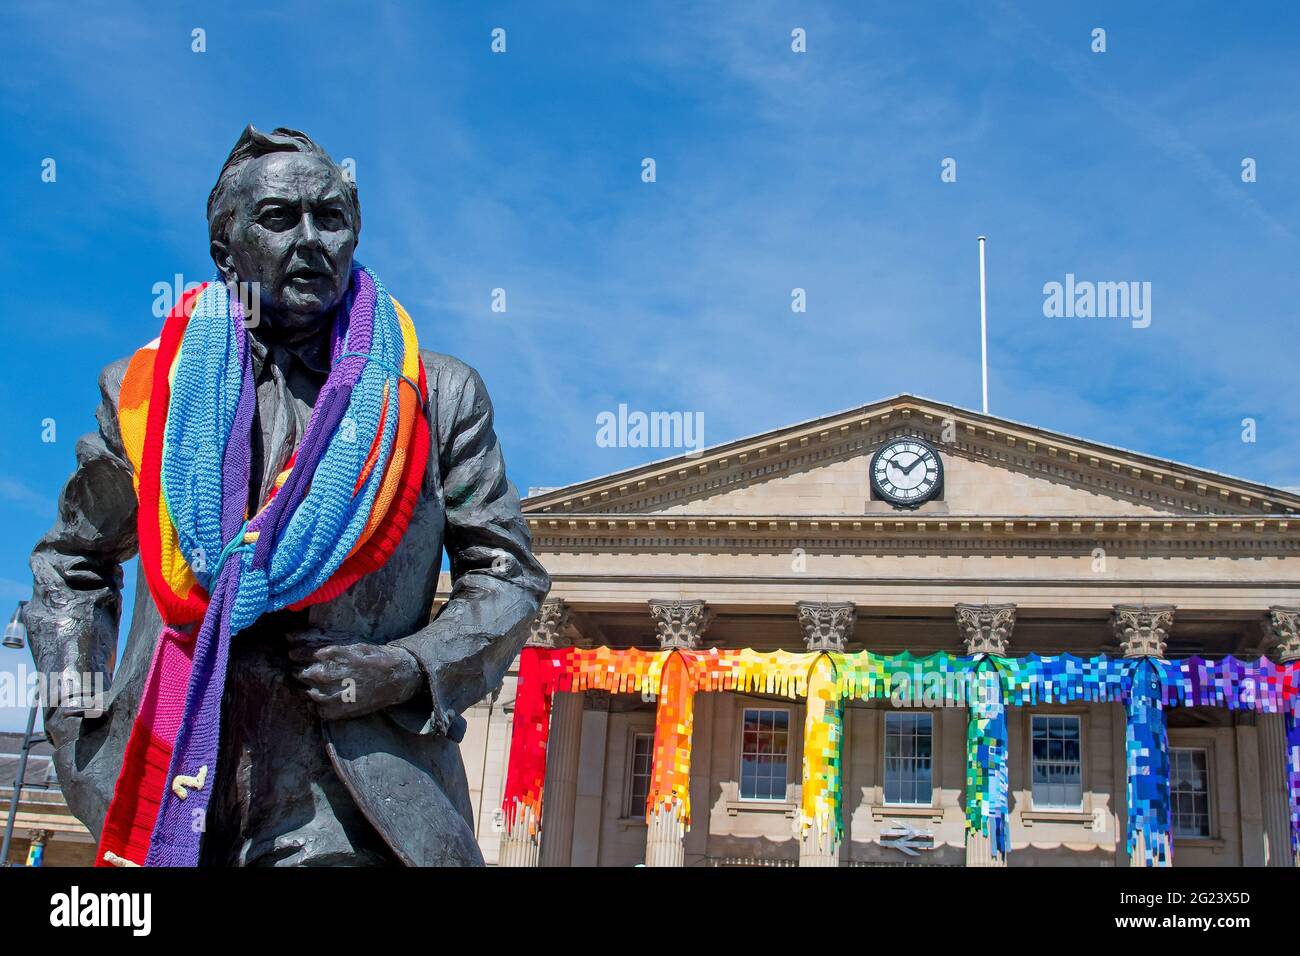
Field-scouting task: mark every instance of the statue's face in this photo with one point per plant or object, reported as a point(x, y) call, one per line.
point(293, 232)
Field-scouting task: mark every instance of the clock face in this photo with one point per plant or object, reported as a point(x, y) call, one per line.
point(907, 472)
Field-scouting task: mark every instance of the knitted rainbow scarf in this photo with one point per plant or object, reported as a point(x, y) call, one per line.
point(335, 513)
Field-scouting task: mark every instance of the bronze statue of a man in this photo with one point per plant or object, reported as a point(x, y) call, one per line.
point(339, 718)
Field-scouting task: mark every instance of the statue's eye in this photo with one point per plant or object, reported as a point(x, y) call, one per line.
point(331, 219)
point(276, 217)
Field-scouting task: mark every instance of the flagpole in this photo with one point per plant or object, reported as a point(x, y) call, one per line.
point(984, 333)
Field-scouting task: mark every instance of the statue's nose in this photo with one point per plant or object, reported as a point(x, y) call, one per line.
point(308, 234)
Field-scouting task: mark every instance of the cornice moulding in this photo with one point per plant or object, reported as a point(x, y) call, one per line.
point(930, 533)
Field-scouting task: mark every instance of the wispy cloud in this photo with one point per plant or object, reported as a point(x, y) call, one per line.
point(19, 494)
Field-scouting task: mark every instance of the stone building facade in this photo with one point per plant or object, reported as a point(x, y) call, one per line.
point(42, 816)
point(1030, 542)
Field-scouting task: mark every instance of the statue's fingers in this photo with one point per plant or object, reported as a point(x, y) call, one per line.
point(328, 654)
point(318, 675)
point(332, 706)
point(322, 697)
point(310, 674)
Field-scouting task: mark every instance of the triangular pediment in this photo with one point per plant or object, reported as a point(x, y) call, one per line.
point(992, 467)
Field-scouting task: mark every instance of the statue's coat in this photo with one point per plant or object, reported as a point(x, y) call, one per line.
point(399, 765)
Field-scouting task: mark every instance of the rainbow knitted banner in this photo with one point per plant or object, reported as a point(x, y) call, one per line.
point(1146, 745)
point(1293, 779)
point(985, 685)
point(670, 774)
point(988, 782)
point(336, 512)
point(823, 751)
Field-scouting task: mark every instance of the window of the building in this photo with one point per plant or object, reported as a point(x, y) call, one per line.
point(764, 754)
point(1189, 792)
point(908, 740)
point(1057, 762)
point(643, 755)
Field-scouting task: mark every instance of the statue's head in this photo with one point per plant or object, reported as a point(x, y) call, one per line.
point(285, 216)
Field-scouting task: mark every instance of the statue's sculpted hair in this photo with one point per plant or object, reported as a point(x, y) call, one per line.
point(253, 143)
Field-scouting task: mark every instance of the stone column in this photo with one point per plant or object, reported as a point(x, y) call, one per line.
point(986, 632)
point(980, 850)
point(679, 626)
point(665, 841)
point(988, 784)
point(1279, 734)
point(1273, 784)
point(521, 841)
point(668, 812)
point(1293, 780)
point(590, 802)
point(562, 748)
point(562, 743)
point(40, 839)
point(1250, 790)
point(1142, 631)
point(827, 628)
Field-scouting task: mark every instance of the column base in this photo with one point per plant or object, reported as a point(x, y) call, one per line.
point(819, 849)
point(1139, 858)
point(665, 838)
point(979, 851)
point(520, 844)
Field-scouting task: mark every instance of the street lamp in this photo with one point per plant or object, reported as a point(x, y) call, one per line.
point(16, 629)
point(15, 637)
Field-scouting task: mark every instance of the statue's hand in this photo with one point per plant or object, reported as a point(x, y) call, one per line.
point(349, 677)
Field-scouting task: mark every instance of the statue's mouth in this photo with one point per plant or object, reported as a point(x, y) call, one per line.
point(308, 276)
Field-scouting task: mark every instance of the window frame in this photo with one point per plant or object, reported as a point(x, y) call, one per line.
point(1030, 761)
point(636, 732)
point(784, 798)
point(884, 759)
point(1211, 828)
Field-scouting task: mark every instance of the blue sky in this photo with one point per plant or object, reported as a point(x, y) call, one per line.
point(775, 170)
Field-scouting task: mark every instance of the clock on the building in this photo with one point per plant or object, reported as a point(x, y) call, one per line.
point(906, 472)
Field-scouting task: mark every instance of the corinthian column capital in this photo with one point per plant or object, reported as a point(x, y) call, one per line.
point(1284, 624)
point(986, 628)
point(680, 624)
point(547, 629)
point(1142, 629)
point(826, 626)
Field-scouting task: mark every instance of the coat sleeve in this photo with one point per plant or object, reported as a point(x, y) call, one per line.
point(76, 605)
point(497, 584)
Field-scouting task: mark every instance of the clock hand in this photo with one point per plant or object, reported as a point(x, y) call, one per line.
point(914, 463)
